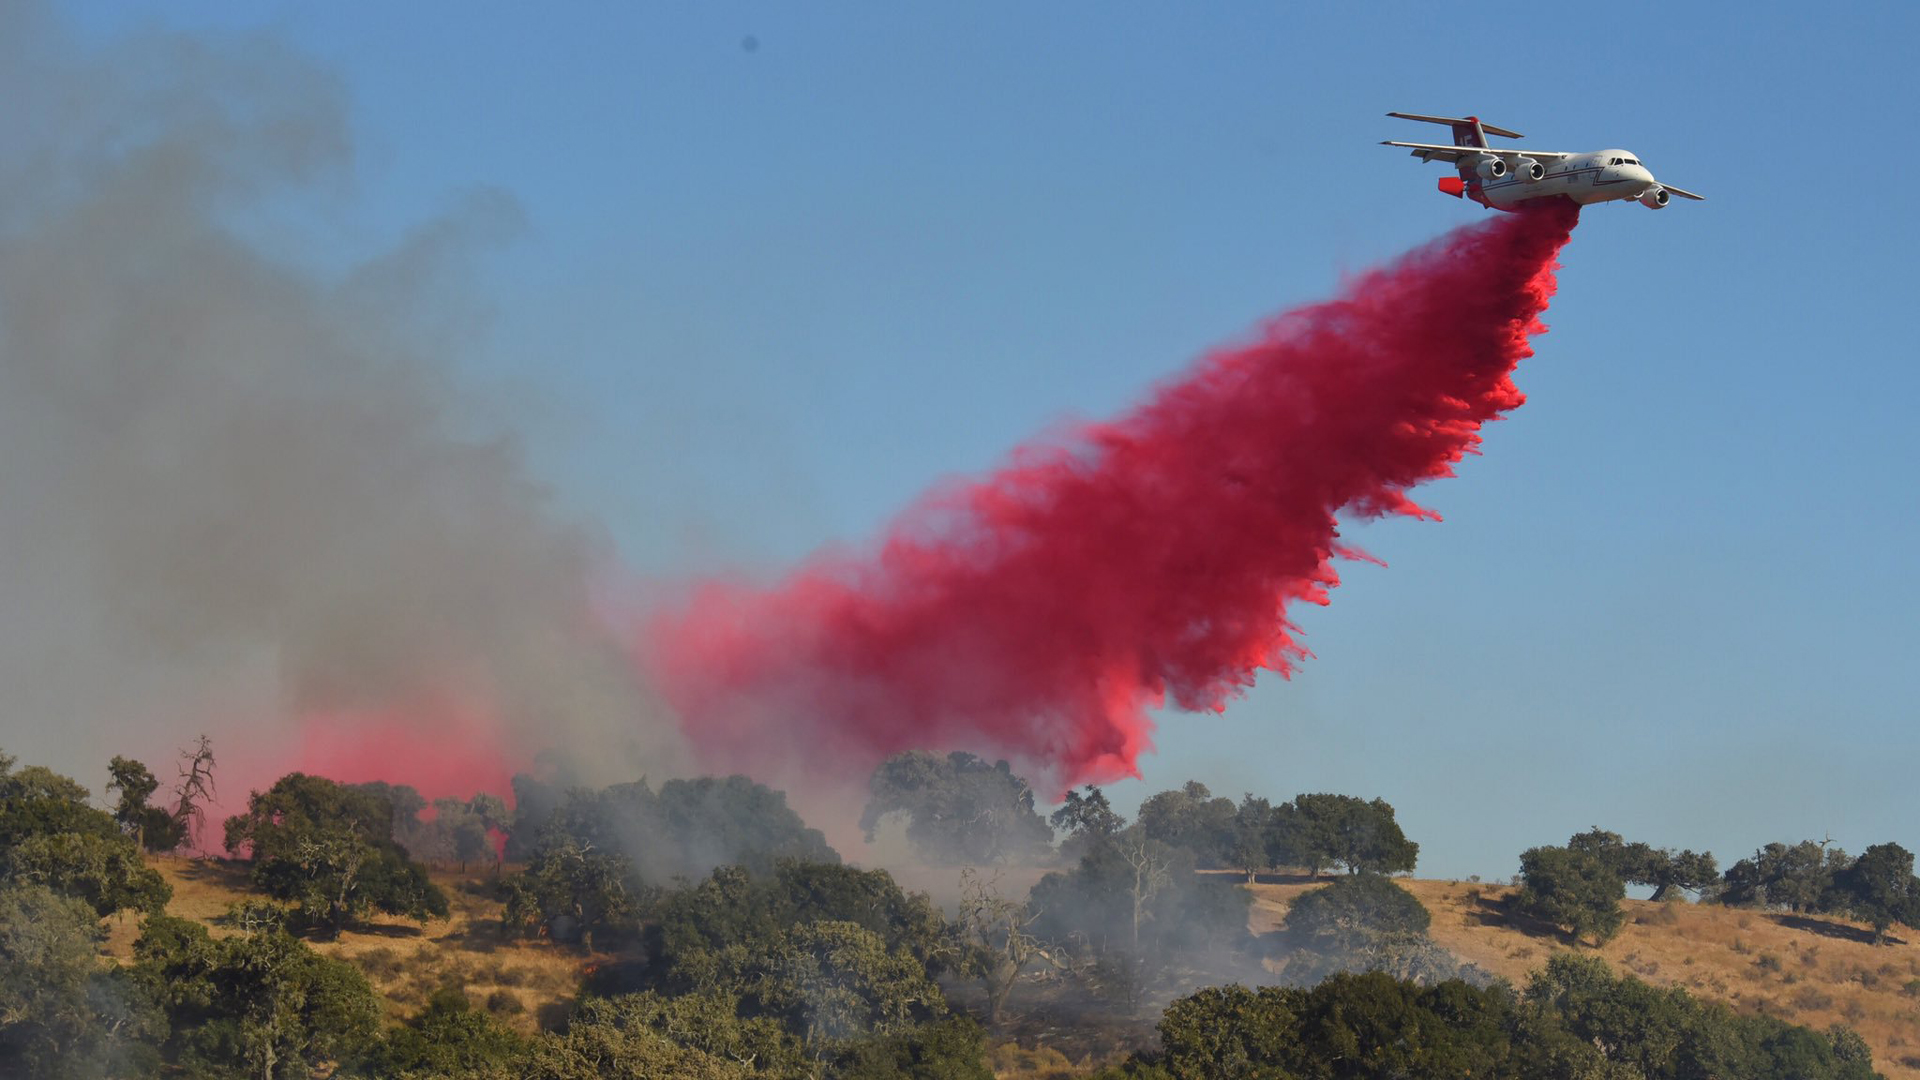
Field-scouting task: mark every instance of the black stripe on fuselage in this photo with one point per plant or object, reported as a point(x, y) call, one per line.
point(1552, 176)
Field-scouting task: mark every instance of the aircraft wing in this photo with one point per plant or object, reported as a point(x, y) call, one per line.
point(1684, 194)
point(1437, 152)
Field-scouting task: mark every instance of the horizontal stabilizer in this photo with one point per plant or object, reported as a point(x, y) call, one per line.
point(1452, 120)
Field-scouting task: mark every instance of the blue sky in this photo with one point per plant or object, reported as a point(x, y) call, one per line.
point(785, 265)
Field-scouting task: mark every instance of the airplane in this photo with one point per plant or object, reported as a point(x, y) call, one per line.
point(1504, 177)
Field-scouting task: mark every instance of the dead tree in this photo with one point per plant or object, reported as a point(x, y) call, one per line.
point(195, 790)
point(994, 933)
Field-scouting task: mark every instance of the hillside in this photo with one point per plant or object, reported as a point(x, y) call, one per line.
point(526, 984)
point(1814, 971)
point(1807, 970)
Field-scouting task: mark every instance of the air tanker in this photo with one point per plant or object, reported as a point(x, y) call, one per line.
point(1502, 178)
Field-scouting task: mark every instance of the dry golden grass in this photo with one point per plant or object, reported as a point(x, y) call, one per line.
point(1009, 1062)
point(1813, 971)
point(524, 983)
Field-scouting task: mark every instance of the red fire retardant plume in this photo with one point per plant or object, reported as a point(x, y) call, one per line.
point(1039, 613)
point(441, 748)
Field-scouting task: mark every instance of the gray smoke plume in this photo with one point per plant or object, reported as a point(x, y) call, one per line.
point(237, 490)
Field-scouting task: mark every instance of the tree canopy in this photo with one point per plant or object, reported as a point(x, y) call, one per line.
point(1323, 830)
point(685, 829)
point(959, 808)
point(329, 848)
point(1798, 877)
point(1664, 870)
point(62, 1014)
point(1574, 1019)
point(1192, 819)
point(732, 820)
point(735, 909)
point(51, 836)
point(1365, 922)
point(263, 1002)
point(1316, 831)
point(1087, 819)
point(1250, 845)
point(458, 832)
point(153, 828)
point(814, 965)
point(1880, 888)
point(1572, 889)
point(1351, 911)
point(450, 1039)
point(832, 982)
point(572, 890)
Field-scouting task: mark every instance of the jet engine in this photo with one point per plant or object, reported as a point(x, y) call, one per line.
point(1528, 169)
point(1490, 168)
point(1654, 198)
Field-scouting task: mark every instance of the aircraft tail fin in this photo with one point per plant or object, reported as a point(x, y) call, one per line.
point(1467, 130)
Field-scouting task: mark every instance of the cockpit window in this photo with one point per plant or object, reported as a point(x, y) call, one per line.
point(1615, 161)
point(1633, 161)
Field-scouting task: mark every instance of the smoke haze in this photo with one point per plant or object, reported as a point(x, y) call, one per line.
point(1039, 613)
point(240, 495)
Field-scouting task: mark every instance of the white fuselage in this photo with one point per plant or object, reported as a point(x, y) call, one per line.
point(1585, 178)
